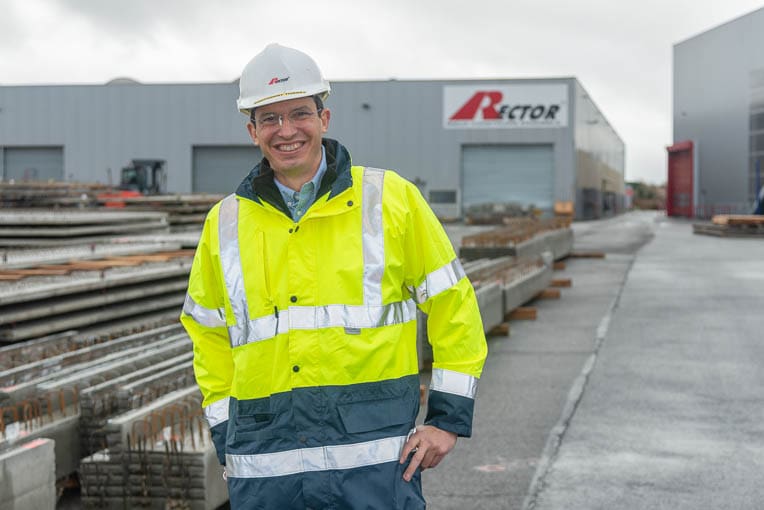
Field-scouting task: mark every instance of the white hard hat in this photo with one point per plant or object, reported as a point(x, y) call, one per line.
point(277, 74)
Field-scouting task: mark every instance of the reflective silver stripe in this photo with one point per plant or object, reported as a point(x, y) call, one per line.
point(373, 236)
point(439, 280)
point(204, 316)
point(455, 383)
point(217, 412)
point(321, 458)
point(230, 258)
point(318, 317)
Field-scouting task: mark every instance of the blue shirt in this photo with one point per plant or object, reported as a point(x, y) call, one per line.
point(299, 201)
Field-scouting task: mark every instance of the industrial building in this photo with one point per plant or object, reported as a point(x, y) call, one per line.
point(715, 162)
point(530, 142)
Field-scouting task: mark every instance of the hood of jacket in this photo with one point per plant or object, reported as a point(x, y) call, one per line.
point(259, 187)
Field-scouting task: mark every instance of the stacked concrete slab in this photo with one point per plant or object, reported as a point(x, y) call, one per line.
point(522, 237)
point(35, 227)
point(27, 477)
point(158, 456)
point(51, 298)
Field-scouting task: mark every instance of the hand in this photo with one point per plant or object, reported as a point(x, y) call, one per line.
point(429, 444)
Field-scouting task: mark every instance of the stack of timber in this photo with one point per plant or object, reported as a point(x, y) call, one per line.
point(521, 237)
point(732, 225)
point(112, 294)
point(129, 405)
point(184, 211)
point(24, 228)
point(49, 194)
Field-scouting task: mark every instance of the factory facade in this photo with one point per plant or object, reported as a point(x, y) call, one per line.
point(464, 143)
point(715, 164)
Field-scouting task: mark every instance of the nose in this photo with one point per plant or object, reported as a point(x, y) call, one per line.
point(285, 125)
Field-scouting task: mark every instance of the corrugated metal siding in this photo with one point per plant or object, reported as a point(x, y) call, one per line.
point(391, 124)
point(221, 169)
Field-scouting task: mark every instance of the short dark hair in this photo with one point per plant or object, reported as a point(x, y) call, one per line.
point(316, 99)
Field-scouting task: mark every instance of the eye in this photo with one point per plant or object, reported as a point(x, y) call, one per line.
point(268, 119)
point(301, 115)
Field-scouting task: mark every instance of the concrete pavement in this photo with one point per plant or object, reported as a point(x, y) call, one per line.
point(669, 410)
point(528, 375)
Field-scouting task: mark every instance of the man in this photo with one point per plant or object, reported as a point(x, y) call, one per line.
point(302, 309)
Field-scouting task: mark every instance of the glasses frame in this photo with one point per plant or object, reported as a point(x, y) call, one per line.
point(278, 120)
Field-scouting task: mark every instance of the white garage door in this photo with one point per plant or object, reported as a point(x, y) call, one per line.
point(520, 174)
point(220, 169)
point(33, 163)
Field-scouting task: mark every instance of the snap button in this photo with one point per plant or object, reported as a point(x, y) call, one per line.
point(293, 299)
point(295, 368)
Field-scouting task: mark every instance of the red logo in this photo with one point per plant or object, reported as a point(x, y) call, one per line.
point(276, 80)
point(483, 101)
point(488, 103)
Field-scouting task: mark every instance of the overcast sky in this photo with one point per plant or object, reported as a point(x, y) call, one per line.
point(620, 51)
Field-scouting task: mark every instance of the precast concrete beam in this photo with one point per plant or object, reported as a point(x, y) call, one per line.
point(39, 327)
point(60, 305)
point(38, 287)
point(111, 365)
point(31, 217)
point(54, 362)
point(520, 291)
point(559, 242)
point(18, 259)
point(490, 301)
point(27, 476)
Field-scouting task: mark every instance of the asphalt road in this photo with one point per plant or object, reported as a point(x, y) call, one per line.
point(533, 378)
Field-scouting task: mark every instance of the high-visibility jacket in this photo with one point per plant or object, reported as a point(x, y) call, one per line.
point(304, 338)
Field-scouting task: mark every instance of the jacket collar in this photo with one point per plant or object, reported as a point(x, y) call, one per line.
point(258, 186)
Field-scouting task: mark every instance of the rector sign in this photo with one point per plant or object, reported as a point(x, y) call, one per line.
point(505, 106)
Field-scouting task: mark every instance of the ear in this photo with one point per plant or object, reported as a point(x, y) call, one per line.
point(326, 114)
point(252, 133)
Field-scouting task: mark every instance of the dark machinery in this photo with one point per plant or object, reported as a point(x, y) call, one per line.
point(146, 176)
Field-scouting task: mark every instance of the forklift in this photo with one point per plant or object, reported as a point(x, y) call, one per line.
point(141, 177)
point(145, 176)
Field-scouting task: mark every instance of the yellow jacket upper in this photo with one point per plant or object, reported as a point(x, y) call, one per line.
point(304, 332)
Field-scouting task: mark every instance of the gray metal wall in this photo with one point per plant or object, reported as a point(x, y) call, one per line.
point(103, 127)
point(714, 77)
point(401, 127)
point(391, 124)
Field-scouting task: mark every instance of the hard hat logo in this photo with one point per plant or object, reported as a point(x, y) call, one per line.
point(278, 74)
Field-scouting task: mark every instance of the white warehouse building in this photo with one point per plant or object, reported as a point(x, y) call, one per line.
point(718, 116)
point(532, 142)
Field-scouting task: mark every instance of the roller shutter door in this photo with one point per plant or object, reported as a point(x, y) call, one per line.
point(33, 163)
point(520, 174)
point(220, 169)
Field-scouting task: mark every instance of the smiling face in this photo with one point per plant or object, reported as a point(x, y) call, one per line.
point(289, 134)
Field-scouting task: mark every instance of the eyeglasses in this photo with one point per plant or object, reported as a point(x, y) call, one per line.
point(297, 118)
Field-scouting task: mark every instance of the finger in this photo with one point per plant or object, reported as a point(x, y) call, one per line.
point(416, 459)
point(410, 446)
point(431, 459)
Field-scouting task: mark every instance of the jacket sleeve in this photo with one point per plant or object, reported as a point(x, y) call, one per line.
point(454, 327)
point(203, 317)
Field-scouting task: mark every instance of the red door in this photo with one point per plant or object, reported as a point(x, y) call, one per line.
point(680, 182)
